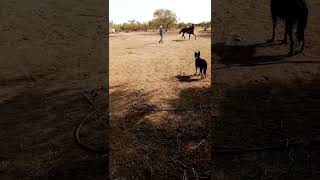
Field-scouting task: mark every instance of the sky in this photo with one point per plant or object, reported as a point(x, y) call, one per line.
point(193, 11)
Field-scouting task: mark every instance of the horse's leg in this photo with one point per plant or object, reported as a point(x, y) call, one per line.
point(189, 36)
point(302, 46)
point(289, 29)
point(274, 25)
point(303, 43)
point(195, 37)
point(285, 41)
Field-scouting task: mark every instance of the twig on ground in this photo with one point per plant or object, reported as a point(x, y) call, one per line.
point(185, 177)
point(195, 174)
point(21, 143)
point(151, 170)
point(4, 166)
point(195, 147)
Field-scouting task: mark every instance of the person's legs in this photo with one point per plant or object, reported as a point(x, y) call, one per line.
point(160, 38)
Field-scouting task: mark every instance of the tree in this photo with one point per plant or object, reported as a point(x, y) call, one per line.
point(153, 24)
point(165, 17)
point(181, 25)
point(205, 25)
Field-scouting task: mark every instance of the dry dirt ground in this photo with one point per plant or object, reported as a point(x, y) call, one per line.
point(51, 52)
point(159, 111)
point(269, 100)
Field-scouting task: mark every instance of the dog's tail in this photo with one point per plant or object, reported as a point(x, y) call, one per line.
point(302, 21)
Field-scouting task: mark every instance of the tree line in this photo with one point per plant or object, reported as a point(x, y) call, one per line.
point(164, 17)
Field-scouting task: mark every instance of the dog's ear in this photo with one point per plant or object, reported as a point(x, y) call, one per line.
point(195, 53)
point(199, 53)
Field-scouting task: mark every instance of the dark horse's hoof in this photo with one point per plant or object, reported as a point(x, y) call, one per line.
point(283, 42)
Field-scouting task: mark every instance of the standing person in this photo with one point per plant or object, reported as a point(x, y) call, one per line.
point(161, 30)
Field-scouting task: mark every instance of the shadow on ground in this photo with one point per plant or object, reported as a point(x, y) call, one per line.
point(269, 114)
point(161, 144)
point(179, 40)
point(189, 78)
point(244, 54)
point(38, 141)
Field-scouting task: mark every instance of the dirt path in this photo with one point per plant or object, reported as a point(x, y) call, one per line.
point(146, 143)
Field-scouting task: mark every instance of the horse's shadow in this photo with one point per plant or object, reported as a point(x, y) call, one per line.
point(179, 40)
point(244, 54)
point(187, 78)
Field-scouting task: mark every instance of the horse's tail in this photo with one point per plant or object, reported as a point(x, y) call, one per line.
point(302, 21)
point(180, 31)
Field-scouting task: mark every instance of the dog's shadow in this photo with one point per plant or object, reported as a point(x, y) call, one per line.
point(189, 78)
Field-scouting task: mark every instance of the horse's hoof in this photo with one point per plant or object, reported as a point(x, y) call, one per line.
point(283, 42)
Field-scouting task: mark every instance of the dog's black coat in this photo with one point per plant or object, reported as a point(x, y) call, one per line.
point(294, 13)
point(200, 63)
point(189, 30)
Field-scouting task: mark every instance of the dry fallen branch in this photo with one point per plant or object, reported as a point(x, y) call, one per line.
point(78, 128)
point(77, 136)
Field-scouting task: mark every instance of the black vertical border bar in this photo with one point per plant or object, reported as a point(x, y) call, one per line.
point(217, 36)
point(212, 119)
point(107, 89)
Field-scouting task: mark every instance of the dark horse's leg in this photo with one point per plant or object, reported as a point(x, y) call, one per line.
point(195, 37)
point(189, 36)
point(301, 27)
point(285, 41)
point(183, 35)
point(289, 29)
point(302, 46)
point(274, 25)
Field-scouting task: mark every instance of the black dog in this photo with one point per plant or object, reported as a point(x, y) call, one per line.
point(189, 30)
point(293, 13)
point(201, 63)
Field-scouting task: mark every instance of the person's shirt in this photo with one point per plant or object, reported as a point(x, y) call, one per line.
point(161, 31)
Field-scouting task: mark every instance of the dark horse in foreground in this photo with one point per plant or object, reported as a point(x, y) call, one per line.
point(189, 30)
point(294, 13)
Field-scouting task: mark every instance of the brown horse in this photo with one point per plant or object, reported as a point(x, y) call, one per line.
point(189, 30)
